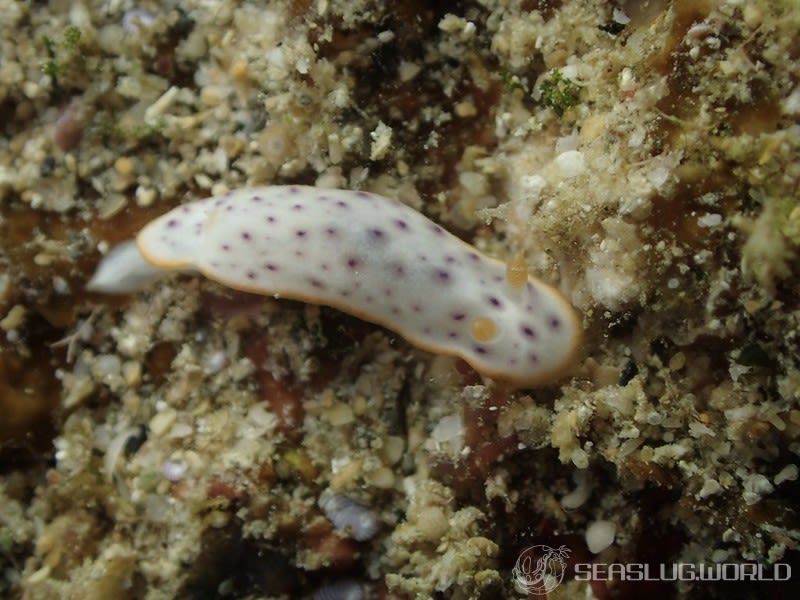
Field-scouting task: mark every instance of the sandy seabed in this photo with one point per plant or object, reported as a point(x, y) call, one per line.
point(190, 441)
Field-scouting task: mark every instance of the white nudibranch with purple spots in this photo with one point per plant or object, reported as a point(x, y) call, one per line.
point(366, 255)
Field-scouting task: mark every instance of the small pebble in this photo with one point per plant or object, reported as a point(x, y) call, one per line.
point(60, 286)
point(134, 20)
point(132, 373)
point(13, 318)
point(340, 414)
point(69, 128)
point(124, 166)
point(600, 535)
point(216, 362)
point(162, 421)
point(571, 163)
point(145, 196)
point(174, 470)
point(343, 589)
point(788, 473)
point(583, 489)
point(678, 361)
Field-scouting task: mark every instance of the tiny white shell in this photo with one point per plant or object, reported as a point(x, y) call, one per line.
point(350, 517)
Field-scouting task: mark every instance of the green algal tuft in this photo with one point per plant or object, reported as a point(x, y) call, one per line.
point(558, 92)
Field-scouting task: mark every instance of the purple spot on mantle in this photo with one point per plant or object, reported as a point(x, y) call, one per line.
point(256, 198)
point(442, 275)
point(458, 316)
point(246, 236)
point(297, 207)
point(376, 233)
point(331, 231)
point(225, 247)
point(534, 358)
point(495, 302)
point(300, 233)
point(554, 322)
point(342, 204)
point(316, 283)
point(271, 219)
point(480, 350)
point(270, 266)
point(251, 275)
point(353, 262)
point(437, 230)
point(172, 223)
point(401, 223)
point(528, 331)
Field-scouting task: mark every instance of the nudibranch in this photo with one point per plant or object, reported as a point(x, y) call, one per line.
point(366, 255)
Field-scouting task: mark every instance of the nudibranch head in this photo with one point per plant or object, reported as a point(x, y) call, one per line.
point(377, 259)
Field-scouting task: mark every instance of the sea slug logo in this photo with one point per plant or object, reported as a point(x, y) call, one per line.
point(540, 569)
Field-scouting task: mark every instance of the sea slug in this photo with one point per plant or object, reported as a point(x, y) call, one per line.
point(369, 256)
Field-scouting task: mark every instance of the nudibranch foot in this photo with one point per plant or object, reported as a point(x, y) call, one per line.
point(124, 270)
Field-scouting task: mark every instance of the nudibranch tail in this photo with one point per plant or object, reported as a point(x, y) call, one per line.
point(380, 260)
point(124, 270)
